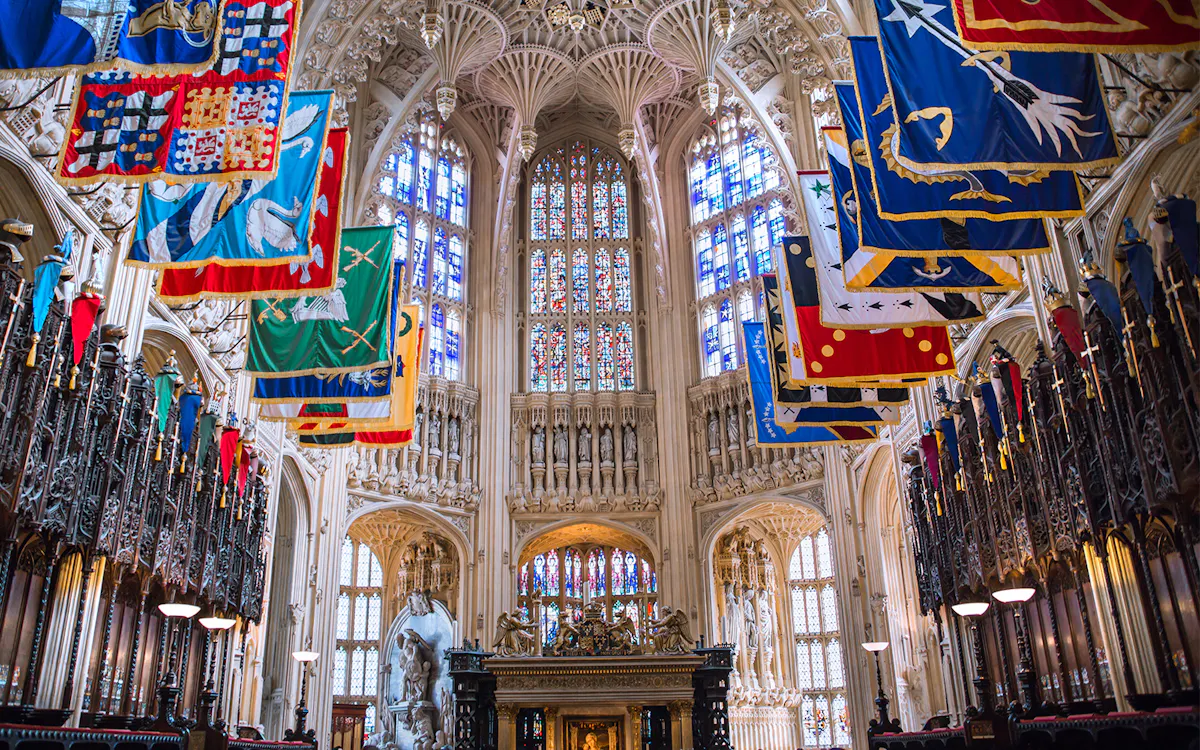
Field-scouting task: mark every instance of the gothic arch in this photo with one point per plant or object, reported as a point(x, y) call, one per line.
point(161, 337)
point(455, 534)
point(526, 546)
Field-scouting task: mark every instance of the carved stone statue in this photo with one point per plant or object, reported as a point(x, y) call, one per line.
point(435, 431)
point(750, 621)
point(606, 445)
point(560, 445)
point(585, 445)
point(765, 623)
point(539, 445)
point(454, 434)
point(732, 622)
point(629, 445)
point(419, 603)
point(514, 636)
point(670, 633)
point(415, 653)
point(418, 418)
point(714, 433)
point(731, 426)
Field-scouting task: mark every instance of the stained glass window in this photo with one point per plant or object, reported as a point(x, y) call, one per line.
point(436, 333)
point(359, 622)
point(369, 719)
point(582, 347)
point(728, 340)
point(537, 281)
point(579, 281)
point(423, 184)
point(579, 192)
point(619, 579)
point(820, 662)
point(734, 183)
point(558, 358)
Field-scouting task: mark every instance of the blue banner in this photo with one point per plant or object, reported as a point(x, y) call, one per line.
point(240, 222)
point(49, 36)
point(926, 236)
point(901, 193)
point(872, 270)
point(958, 107)
point(766, 430)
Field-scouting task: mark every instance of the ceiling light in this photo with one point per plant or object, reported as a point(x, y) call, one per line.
point(710, 94)
point(1009, 596)
point(627, 139)
point(177, 609)
point(305, 656)
point(217, 623)
point(970, 609)
point(875, 646)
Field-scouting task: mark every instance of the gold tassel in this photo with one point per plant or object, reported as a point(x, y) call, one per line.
point(31, 360)
point(1154, 342)
point(958, 485)
point(199, 483)
point(239, 517)
point(223, 493)
point(1021, 432)
point(1089, 391)
point(74, 373)
point(183, 463)
point(1003, 463)
point(938, 501)
point(58, 380)
point(158, 450)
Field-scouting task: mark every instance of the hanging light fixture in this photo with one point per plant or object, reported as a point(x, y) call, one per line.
point(528, 141)
point(627, 139)
point(447, 99)
point(710, 94)
point(178, 609)
point(1018, 594)
point(723, 20)
point(970, 609)
point(431, 24)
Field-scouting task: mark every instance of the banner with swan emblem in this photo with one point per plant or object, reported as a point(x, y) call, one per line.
point(241, 222)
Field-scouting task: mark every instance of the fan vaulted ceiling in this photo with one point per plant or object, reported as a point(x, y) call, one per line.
point(533, 56)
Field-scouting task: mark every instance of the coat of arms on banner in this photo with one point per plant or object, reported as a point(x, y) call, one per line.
point(222, 124)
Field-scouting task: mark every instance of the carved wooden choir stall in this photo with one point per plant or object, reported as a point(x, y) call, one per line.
point(1058, 512)
point(126, 508)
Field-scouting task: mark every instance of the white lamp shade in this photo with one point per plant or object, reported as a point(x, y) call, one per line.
point(217, 623)
point(305, 656)
point(1009, 596)
point(177, 609)
point(970, 609)
point(875, 645)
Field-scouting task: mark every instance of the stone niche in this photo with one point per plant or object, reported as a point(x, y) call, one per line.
point(418, 695)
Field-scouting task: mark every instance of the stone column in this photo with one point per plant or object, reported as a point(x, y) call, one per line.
point(506, 715)
point(681, 725)
point(551, 728)
point(635, 727)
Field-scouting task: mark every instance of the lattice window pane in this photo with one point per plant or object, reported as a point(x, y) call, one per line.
point(582, 357)
point(339, 671)
point(371, 672)
point(817, 655)
point(369, 722)
point(803, 668)
point(829, 607)
point(343, 616)
point(358, 668)
point(824, 557)
point(360, 617)
point(346, 570)
point(799, 626)
point(809, 721)
point(841, 721)
point(374, 615)
point(812, 609)
point(834, 665)
point(363, 576)
point(808, 565)
point(539, 373)
point(824, 728)
point(580, 270)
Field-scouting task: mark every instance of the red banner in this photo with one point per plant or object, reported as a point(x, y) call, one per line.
point(1080, 26)
point(179, 285)
point(84, 311)
point(222, 124)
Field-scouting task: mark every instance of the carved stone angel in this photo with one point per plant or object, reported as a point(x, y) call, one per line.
point(417, 666)
point(671, 634)
point(514, 636)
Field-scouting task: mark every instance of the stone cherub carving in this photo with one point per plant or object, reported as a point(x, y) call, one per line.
point(417, 666)
point(670, 633)
point(514, 636)
point(419, 603)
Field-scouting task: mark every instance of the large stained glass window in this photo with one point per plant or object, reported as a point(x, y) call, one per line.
point(359, 623)
point(564, 580)
point(820, 663)
point(737, 214)
point(581, 331)
point(423, 185)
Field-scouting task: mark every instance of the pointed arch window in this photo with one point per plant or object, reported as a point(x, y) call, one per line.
point(425, 181)
point(581, 332)
point(820, 661)
point(564, 580)
point(737, 215)
point(359, 624)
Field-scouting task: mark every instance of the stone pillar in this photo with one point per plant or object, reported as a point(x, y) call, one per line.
point(635, 727)
point(551, 728)
point(681, 725)
point(506, 716)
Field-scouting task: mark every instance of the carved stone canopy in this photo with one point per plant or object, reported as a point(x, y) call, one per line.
point(585, 533)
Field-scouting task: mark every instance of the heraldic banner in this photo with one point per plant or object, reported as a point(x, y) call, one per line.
point(330, 334)
point(840, 307)
point(241, 222)
point(766, 430)
point(285, 279)
point(44, 37)
point(957, 108)
point(925, 236)
point(1092, 26)
point(221, 124)
point(901, 193)
point(870, 270)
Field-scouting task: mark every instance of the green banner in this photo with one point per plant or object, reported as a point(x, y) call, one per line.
point(346, 330)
